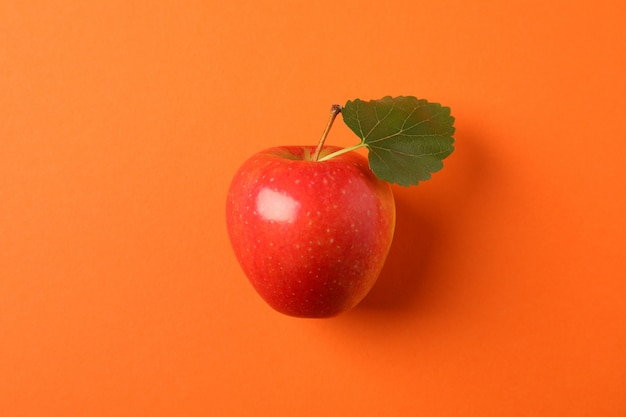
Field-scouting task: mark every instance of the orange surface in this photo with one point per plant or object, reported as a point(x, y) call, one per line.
point(121, 124)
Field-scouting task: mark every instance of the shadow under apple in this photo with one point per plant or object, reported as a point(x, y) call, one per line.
point(407, 275)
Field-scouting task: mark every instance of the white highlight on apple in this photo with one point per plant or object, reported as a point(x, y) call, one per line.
point(275, 206)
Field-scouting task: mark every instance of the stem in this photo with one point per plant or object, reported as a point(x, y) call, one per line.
point(335, 109)
point(341, 151)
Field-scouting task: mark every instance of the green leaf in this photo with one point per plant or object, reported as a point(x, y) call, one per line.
point(407, 138)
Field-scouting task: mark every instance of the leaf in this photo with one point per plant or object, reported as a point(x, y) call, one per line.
point(407, 138)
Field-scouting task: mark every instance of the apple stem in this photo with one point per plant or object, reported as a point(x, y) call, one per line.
point(335, 109)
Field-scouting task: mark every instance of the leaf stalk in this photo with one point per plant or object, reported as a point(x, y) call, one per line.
point(342, 151)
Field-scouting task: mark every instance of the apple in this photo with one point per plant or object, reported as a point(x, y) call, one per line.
point(311, 235)
point(312, 226)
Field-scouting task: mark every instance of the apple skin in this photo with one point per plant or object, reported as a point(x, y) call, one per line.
point(311, 236)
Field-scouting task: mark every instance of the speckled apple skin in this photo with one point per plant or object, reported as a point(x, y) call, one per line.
point(312, 237)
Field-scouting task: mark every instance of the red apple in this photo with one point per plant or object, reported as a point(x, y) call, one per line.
point(311, 236)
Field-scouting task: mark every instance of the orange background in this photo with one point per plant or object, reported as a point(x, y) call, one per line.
point(121, 124)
